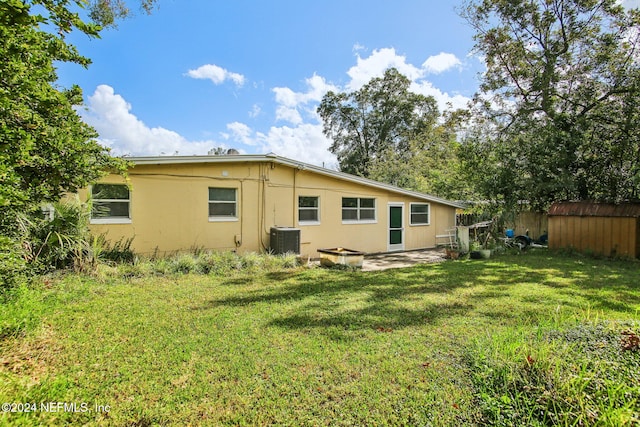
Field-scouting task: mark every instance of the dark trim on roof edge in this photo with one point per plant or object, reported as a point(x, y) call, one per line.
point(594, 209)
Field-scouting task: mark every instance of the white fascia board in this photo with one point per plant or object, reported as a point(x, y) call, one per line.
point(272, 158)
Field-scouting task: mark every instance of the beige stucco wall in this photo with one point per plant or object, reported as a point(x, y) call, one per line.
point(169, 210)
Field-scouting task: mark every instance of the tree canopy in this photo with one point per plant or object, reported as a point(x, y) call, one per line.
point(557, 116)
point(388, 133)
point(45, 147)
point(375, 121)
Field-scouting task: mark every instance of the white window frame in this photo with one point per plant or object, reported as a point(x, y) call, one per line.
point(419, 224)
point(358, 209)
point(111, 220)
point(223, 218)
point(316, 208)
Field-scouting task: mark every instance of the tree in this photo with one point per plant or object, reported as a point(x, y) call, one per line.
point(557, 114)
point(107, 12)
point(45, 147)
point(375, 122)
point(432, 164)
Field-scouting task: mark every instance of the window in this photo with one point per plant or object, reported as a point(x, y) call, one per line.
point(356, 209)
point(419, 214)
point(111, 204)
point(309, 210)
point(223, 205)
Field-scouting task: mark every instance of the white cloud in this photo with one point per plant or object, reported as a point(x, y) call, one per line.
point(241, 132)
point(441, 62)
point(445, 101)
point(305, 142)
point(630, 4)
point(358, 47)
point(288, 114)
point(255, 111)
point(316, 85)
point(301, 139)
point(124, 133)
point(216, 74)
point(375, 66)
point(380, 60)
point(291, 105)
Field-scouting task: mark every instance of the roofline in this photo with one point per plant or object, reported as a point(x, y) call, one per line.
point(272, 158)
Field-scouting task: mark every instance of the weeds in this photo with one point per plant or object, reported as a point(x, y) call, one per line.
point(12, 265)
point(119, 251)
point(586, 374)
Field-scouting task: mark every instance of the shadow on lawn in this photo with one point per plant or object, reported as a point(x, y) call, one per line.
point(335, 300)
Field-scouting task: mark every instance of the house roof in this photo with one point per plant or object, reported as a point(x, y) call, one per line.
point(272, 158)
point(586, 208)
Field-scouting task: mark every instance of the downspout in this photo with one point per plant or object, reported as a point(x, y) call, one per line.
point(238, 239)
point(261, 205)
point(293, 204)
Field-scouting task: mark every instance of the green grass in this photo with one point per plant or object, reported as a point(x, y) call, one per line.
point(533, 339)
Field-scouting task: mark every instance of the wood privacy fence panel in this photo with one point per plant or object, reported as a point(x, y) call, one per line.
point(588, 231)
point(535, 222)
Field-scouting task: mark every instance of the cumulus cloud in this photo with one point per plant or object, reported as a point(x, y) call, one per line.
point(441, 62)
point(291, 105)
point(445, 100)
point(241, 133)
point(216, 74)
point(375, 66)
point(125, 134)
point(304, 142)
point(380, 60)
point(288, 114)
point(301, 138)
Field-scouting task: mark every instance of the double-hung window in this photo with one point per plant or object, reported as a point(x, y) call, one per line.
point(308, 210)
point(111, 204)
point(223, 204)
point(358, 209)
point(419, 214)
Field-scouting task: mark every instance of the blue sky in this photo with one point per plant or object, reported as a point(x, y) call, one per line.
point(249, 75)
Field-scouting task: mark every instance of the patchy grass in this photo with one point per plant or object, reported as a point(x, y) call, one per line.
point(534, 339)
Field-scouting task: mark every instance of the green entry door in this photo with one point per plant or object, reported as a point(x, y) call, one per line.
point(396, 226)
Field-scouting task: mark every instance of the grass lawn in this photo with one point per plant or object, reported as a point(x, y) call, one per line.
point(531, 339)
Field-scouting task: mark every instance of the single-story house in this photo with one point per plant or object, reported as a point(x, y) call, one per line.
point(599, 228)
point(177, 203)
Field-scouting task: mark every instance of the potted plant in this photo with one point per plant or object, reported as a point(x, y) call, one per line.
point(479, 251)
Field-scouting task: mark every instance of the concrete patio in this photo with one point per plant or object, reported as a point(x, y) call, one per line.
point(377, 262)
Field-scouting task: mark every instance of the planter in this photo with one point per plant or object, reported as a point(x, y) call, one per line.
point(452, 254)
point(341, 256)
point(481, 254)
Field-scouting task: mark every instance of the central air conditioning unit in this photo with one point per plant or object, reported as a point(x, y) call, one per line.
point(284, 240)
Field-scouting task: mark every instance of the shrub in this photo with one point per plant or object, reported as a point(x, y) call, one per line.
point(202, 262)
point(186, 263)
point(59, 242)
point(218, 262)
